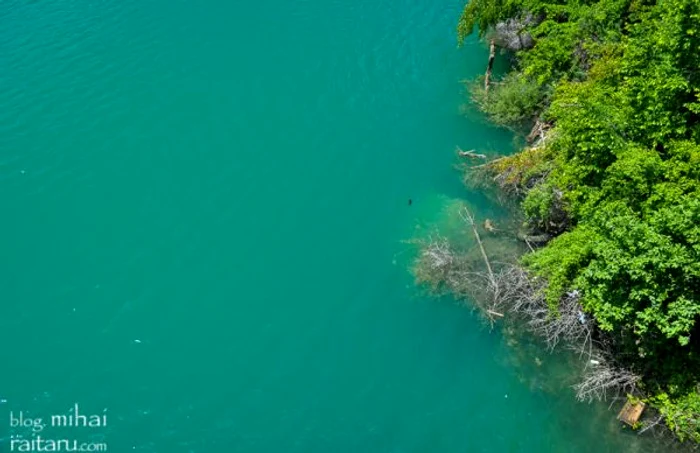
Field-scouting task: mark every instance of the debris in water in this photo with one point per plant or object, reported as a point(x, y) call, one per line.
point(631, 412)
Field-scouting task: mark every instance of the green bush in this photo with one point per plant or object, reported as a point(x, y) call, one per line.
point(619, 81)
point(514, 102)
point(681, 413)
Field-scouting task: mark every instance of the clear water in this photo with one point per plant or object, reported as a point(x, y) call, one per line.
point(204, 204)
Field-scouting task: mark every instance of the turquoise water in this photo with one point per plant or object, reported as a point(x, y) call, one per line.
point(204, 206)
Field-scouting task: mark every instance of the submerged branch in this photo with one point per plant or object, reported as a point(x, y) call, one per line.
point(471, 154)
point(605, 378)
point(468, 217)
point(489, 66)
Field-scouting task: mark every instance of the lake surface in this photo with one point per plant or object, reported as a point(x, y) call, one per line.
point(204, 205)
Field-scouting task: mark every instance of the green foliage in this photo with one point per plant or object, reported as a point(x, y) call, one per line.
point(518, 172)
point(553, 55)
point(660, 69)
point(484, 14)
point(632, 177)
point(512, 102)
point(620, 82)
point(561, 261)
point(539, 203)
point(681, 413)
point(639, 278)
point(545, 209)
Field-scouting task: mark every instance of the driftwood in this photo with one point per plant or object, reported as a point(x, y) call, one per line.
point(538, 132)
point(469, 218)
point(489, 67)
point(470, 154)
point(534, 238)
point(651, 424)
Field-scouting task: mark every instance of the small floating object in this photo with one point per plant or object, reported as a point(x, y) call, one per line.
point(631, 412)
point(137, 341)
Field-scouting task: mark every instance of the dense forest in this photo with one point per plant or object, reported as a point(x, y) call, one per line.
point(611, 92)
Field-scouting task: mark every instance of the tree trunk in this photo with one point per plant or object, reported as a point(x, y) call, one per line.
point(469, 218)
point(489, 68)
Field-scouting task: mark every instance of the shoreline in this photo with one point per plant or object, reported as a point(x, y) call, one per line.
point(610, 193)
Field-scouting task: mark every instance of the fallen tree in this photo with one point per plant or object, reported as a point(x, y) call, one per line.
point(508, 293)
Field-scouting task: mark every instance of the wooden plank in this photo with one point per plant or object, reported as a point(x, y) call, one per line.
point(631, 412)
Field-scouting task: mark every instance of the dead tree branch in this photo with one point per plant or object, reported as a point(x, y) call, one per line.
point(603, 379)
point(471, 154)
point(513, 294)
point(651, 424)
point(469, 218)
point(489, 67)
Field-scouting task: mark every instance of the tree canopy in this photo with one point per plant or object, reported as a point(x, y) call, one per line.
point(619, 83)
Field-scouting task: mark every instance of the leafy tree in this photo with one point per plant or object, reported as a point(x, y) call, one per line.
point(511, 101)
point(484, 14)
point(619, 81)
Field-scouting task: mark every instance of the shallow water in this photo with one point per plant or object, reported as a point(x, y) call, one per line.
point(204, 205)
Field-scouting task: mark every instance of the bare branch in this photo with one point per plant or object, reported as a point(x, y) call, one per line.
point(469, 218)
point(603, 379)
point(489, 67)
point(472, 154)
point(651, 424)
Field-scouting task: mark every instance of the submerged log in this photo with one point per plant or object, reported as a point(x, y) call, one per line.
point(470, 154)
point(468, 217)
point(534, 238)
point(495, 313)
point(489, 67)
